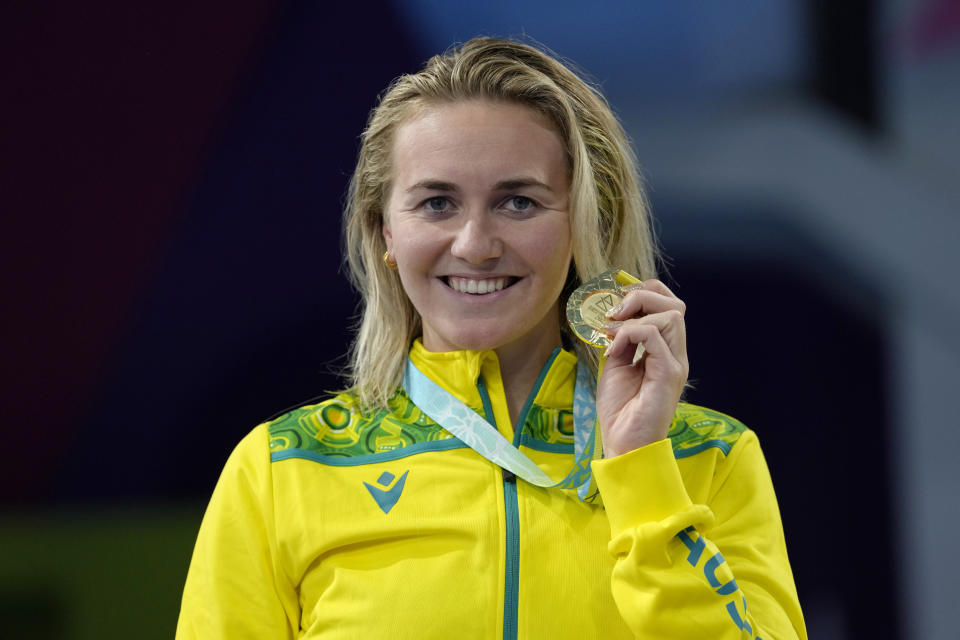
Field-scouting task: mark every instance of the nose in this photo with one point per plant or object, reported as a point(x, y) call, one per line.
point(477, 239)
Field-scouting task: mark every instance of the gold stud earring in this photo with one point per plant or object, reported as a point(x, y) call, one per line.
point(390, 261)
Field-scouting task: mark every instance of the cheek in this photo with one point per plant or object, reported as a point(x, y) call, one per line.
point(406, 241)
point(553, 250)
point(416, 250)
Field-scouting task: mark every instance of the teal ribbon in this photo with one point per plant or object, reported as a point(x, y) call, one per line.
point(478, 434)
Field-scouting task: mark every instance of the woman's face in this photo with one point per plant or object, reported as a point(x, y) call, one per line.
point(478, 221)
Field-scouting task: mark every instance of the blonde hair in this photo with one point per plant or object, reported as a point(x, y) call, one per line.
point(609, 210)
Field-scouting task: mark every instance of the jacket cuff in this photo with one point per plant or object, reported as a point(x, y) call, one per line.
point(643, 485)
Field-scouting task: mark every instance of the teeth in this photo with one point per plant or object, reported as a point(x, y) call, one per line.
point(478, 287)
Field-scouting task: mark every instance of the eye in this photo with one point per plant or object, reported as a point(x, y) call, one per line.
point(519, 204)
point(437, 204)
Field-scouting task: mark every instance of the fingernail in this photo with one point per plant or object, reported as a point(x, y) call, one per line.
point(606, 352)
point(611, 327)
point(636, 286)
point(612, 311)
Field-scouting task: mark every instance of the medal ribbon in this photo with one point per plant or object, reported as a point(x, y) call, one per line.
point(478, 434)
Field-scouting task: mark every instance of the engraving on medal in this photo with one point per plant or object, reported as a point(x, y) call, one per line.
point(594, 307)
point(588, 305)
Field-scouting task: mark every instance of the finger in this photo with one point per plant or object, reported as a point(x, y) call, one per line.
point(645, 301)
point(622, 350)
point(670, 325)
point(644, 340)
point(652, 284)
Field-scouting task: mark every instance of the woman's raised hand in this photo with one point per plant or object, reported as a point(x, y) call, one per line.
point(636, 402)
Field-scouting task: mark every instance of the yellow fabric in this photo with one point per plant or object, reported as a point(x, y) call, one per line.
point(299, 547)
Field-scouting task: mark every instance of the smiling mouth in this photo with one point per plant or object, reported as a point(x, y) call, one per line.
point(479, 287)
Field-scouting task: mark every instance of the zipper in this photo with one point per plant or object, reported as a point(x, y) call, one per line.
point(511, 573)
point(512, 567)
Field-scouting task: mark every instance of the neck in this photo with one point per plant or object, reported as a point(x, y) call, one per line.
point(520, 364)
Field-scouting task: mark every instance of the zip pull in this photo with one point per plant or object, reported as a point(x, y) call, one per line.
point(509, 476)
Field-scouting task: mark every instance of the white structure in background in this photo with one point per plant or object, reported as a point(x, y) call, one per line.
point(892, 209)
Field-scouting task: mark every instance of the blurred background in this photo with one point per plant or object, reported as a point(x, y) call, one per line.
point(172, 180)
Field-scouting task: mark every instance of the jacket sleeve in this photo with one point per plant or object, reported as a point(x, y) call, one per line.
point(235, 588)
point(685, 570)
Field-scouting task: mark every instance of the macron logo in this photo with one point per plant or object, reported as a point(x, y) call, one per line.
point(388, 496)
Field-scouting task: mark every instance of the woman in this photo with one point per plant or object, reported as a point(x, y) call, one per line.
point(489, 186)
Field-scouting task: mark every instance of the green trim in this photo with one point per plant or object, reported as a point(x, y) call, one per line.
point(372, 458)
point(697, 429)
point(530, 442)
point(487, 407)
point(703, 446)
point(522, 420)
point(511, 573)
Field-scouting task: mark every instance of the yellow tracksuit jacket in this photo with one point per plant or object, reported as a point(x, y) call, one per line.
point(334, 523)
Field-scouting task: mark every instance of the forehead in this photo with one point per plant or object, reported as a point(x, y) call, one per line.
point(473, 140)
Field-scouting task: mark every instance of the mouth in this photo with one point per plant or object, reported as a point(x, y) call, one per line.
point(479, 286)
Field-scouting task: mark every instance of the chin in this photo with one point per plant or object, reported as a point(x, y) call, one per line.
point(481, 343)
point(457, 332)
point(479, 339)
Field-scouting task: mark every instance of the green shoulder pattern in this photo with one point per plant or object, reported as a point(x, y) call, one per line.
point(695, 429)
point(339, 428)
point(549, 425)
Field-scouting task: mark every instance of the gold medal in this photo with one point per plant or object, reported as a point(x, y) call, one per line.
point(589, 303)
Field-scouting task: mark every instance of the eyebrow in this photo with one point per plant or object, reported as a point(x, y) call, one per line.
point(503, 185)
point(432, 185)
point(519, 183)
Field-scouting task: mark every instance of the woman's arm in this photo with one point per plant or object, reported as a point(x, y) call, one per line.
point(235, 588)
point(696, 571)
point(716, 570)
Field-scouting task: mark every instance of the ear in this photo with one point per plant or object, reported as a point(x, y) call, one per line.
point(387, 236)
